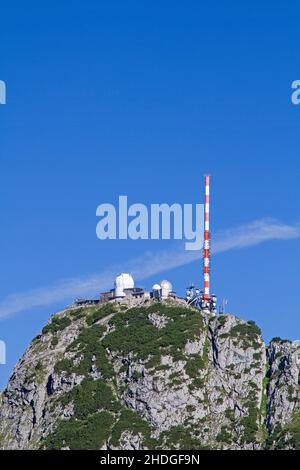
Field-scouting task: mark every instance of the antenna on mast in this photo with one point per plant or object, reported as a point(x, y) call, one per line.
point(206, 250)
point(194, 296)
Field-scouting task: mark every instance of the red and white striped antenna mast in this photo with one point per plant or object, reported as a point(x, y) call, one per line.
point(204, 300)
point(206, 250)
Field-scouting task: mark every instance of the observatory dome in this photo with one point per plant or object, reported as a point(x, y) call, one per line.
point(156, 287)
point(166, 285)
point(123, 281)
point(166, 288)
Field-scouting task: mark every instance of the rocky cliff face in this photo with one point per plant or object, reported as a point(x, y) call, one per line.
point(157, 376)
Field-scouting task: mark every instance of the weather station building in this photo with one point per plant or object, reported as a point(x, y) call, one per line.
point(124, 291)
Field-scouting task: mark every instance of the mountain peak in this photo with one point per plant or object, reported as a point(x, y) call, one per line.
point(157, 376)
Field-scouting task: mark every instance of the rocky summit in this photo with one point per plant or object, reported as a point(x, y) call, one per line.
point(155, 376)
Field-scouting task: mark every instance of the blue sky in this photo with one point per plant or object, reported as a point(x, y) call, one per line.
point(143, 98)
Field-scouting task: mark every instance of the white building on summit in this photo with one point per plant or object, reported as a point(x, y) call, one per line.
point(123, 282)
point(124, 288)
point(125, 291)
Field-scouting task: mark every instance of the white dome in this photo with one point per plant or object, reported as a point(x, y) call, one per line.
point(166, 285)
point(166, 288)
point(123, 281)
point(156, 287)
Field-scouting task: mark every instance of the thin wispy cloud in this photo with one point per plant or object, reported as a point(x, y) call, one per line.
point(146, 266)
